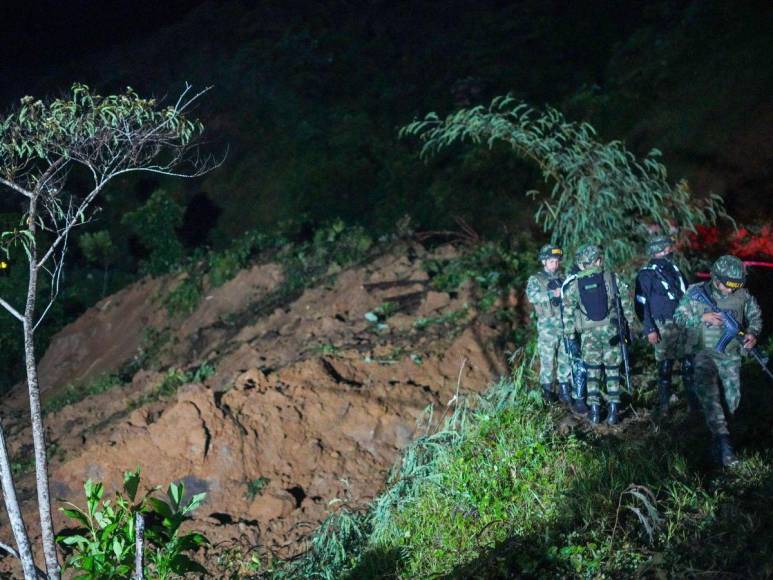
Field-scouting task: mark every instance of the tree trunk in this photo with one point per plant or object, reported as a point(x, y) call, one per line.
point(139, 529)
point(36, 416)
point(14, 513)
point(41, 461)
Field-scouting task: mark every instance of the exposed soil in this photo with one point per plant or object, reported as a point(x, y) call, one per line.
point(306, 393)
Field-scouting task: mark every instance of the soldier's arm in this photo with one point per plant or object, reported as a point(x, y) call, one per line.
point(625, 299)
point(753, 315)
point(686, 314)
point(570, 308)
point(535, 294)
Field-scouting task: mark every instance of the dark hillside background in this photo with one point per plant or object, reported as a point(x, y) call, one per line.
point(309, 96)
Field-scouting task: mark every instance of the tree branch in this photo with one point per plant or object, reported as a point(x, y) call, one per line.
point(11, 310)
point(16, 187)
point(70, 223)
point(15, 554)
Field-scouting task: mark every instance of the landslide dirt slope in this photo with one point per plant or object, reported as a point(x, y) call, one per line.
point(308, 405)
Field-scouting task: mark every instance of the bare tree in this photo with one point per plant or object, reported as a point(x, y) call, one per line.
point(43, 143)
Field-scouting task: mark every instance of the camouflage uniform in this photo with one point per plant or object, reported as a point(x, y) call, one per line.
point(553, 357)
point(600, 343)
point(660, 286)
point(710, 364)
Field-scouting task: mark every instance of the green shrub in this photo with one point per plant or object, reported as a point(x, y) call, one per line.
point(169, 558)
point(155, 224)
point(104, 544)
point(495, 269)
point(342, 245)
point(98, 247)
point(222, 266)
point(185, 297)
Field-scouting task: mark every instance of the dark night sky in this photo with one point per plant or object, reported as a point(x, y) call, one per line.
point(38, 36)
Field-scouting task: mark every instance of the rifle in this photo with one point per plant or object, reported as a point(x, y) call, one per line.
point(570, 347)
point(732, 328)
point(554, 284)
point(622, 332)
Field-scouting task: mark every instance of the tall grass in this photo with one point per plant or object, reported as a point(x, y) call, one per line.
point(495, 489)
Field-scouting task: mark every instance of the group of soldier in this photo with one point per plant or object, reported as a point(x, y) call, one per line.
point(582, 322)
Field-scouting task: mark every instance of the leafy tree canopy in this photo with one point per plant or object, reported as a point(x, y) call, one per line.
point(599, 192)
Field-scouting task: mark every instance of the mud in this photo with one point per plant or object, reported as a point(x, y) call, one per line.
point(307, 409)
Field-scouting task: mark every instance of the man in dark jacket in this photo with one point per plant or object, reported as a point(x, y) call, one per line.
point(660, 286)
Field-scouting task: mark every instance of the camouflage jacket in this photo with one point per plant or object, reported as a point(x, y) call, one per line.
point(744, 306)
point(574, 317)
point(539, 295)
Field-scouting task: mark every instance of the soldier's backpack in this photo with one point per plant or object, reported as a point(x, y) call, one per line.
point(593, 296)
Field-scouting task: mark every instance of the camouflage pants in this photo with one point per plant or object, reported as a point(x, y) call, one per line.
point(710, 365)
point(552, 355)
point(675, 342)
point(601, 354)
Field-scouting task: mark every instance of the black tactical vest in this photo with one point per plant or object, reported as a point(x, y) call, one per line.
point(593, 296)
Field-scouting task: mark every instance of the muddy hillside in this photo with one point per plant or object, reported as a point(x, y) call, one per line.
point(280, 410)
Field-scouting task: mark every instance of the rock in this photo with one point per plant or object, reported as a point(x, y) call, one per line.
point(433, 302)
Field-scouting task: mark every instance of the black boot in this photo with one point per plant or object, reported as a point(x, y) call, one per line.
point(595, 414)
point(579, 406)
point(612, 414)
point(547, 393)
point(725, 451)
point(664, 384)
point(580, 390)
point(580, 382)
point(688, 380)
point(564, 393)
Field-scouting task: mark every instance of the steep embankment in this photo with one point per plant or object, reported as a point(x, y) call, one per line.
point(277, 406)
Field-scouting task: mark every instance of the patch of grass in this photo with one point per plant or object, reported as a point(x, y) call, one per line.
point(75, 393)
point(236, 562)
point(23, 465)
point(185, 297)
point(326, 349)
point(255, 487)
point(173, 379)
point(454, 317)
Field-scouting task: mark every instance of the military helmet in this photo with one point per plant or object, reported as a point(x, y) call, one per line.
point(587, 254)
point(550, 251)
point(658, 244)
point(730, 271)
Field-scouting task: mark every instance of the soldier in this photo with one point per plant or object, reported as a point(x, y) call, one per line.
point(543, 290)
point(660, 286)
point(590, 309)
point(726, 291)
